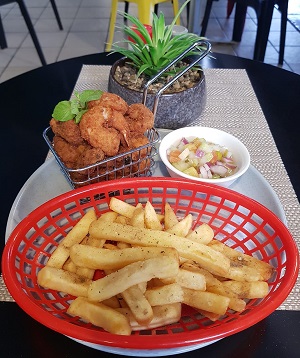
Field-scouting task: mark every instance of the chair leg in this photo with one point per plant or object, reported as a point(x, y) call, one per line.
point(176, 10)
point(284, 12)
point(56, 14)
point(206, 17)
point(263, 30)
point(3, 43)
point(126, 8)
point(32, 31)
point(187, 12)
point(112, 22)
point(239, 21)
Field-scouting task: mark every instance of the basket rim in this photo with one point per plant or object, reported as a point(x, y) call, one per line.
point(135, 341)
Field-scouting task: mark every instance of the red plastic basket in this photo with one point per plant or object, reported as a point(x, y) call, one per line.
point(237, 220)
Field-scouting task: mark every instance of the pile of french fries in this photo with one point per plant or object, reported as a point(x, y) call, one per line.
point(134, 269)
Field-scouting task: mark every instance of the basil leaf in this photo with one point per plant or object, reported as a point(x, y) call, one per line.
point(74, 106)
point(79, 115)
point(62, 111)
point(89, 95)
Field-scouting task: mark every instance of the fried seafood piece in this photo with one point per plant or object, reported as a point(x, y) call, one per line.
point(67, 152)
point(68, 130)
point(110, 100)
point(89, 157)
point(102, 128)
point(136, 142)
point(138, 160)
point(139, 118)
point(142, 163)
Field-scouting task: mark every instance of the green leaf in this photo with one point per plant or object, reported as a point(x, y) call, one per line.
point(144, 68)
point(79, 115)
point(76, 107)
point(89, 95)
point(62, 111)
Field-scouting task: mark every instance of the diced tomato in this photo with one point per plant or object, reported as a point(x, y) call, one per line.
point(217, 155)
point(174, 156)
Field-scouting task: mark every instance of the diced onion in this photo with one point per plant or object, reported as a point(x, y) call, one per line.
point(184, 154)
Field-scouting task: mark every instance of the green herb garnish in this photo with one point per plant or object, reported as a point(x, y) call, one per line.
point(75, 107)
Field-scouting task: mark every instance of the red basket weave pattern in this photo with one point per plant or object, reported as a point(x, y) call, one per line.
point(237, 221)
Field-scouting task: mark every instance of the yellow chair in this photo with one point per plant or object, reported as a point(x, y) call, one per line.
point(145, 10)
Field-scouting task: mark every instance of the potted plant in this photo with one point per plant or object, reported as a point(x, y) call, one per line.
point(160, 69)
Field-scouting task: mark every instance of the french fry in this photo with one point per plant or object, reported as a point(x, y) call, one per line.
point(75, 235)
point(215, 286)
point(242, 260)
point(170, 217)
point(112, 302)
point(69, 266)
point(151, 219)
point(59, 257)
point(162, 316)
point(212, 316)
point(105, 259)
point(108, 216)
point(64, 281)
point(100, 315)
point(85, 272)
point(164, 295)
point(258, 289)
point(94, 242)
point(138, 218)
point(189, 279)
point(132, 274)
point(122, 220)
point(138, 304)
point(203, 234)
point(121, 207)
point(207, 301)
point(204, 255)
point(183, 227)
point(80, 230)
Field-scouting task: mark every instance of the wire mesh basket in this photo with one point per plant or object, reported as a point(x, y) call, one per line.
point(238, 221)
point(133, 163)
point(138, 161)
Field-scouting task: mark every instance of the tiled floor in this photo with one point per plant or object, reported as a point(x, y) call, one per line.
point(85, 25)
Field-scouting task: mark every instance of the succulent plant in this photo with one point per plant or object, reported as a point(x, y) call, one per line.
point(150, 54)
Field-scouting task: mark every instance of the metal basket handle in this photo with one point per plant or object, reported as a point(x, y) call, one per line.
point(175, 78)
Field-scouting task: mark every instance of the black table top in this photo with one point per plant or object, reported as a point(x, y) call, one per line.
point(27, 103)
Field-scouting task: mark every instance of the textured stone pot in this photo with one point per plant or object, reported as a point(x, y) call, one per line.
point(174, 110)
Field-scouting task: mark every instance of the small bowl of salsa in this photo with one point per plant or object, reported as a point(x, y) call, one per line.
point(204, 154)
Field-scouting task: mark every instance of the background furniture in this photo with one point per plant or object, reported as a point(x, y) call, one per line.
point(24, 150)
point(24, 11)
point(145, 10)
point(264, 13)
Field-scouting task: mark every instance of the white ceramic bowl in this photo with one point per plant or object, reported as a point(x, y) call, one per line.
point(240, 153)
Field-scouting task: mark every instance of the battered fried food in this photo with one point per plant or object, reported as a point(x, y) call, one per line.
point(90, 156)
point(67, 152)
point(139, 118)
point(112, 101)
point(95, 128)
point(68, 130)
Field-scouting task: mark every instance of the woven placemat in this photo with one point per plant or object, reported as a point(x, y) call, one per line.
point(231, 106)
